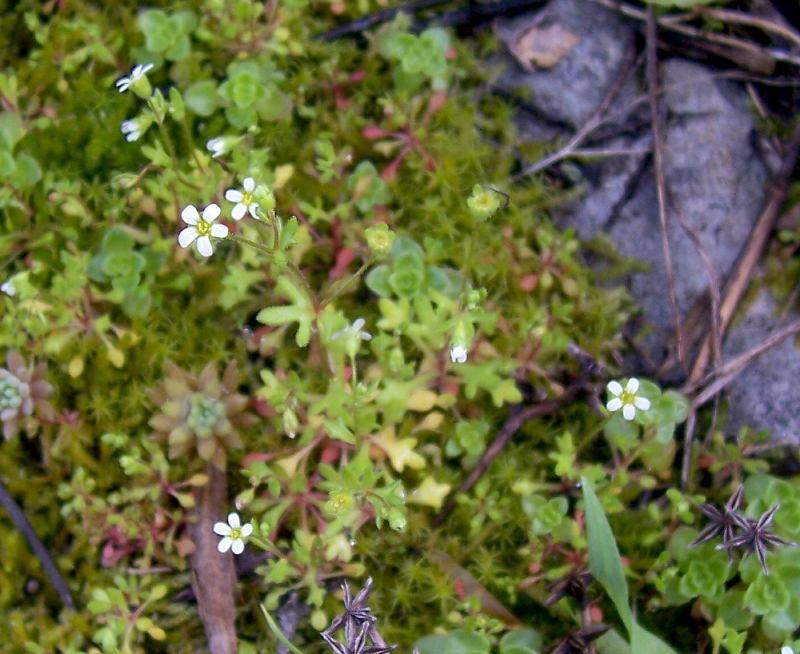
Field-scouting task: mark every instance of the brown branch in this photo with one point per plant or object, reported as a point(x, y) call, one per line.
point(658, 162)
point(376, 18)
point(741, 18)
point(704, 36)
point(48, 565)
point(740, 277)
point(213, 574)
point(592, 123)
point(519, 416)
point(723, 376)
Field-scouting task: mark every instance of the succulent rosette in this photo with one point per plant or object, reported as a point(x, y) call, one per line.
point(23, 395)
point(202, 413)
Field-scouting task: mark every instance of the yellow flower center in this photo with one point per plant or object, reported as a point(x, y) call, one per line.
point(203, 227)
point(235, 534)
point(627, 397)
point(247, 198)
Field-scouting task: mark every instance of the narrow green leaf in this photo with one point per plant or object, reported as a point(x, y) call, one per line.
point(277, 632)
point(604, 559)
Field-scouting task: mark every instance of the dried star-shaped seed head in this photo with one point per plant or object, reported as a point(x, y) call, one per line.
point(360, 633)
point(580, 642)
point(723, 521)
point(757, 537)
point(573, 585)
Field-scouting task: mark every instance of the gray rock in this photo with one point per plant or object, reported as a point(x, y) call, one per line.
point(764, 395)
point(716, 178)
point(570, 91)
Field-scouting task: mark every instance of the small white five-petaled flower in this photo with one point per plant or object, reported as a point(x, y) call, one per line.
point(201, 228)
point(8, 288)
point(217, 146)
point(353, 331)
point(352, 335)
point(234, 534)
point(458, 354)
point(626, 398)
point(138, 72)
point(130, 129)
point(245, 202)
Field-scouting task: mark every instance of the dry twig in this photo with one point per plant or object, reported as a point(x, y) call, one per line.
point(740, 278)
point(48, 565)
point(213, 575)
point(594, 121)
point(658, 162)
point(703, 38)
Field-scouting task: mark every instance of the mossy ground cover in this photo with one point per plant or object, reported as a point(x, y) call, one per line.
point(337, 355)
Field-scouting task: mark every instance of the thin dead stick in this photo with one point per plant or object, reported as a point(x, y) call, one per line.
point(661, 180)
point(518, 418)
point(737, 18)
point(740, 278)
point(213, 574)
point(772, 445)
point(48, 565)
point(594, 121)
point(376, 18)
point(729, 371)
point(702, 35)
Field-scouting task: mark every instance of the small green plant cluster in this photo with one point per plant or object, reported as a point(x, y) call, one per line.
point(278, 295)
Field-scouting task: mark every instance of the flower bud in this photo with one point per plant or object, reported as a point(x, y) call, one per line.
point(379, 239)
point(265, 198)
point(484, 202)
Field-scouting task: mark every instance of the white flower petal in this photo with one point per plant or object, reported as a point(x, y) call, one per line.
point(233, 520)
point(221, 529)
point(247, 530)
point(614, 387)
point(253, 208)
point(204, 246)
point(232, 195)
point(358, 324)
point(249, 184)
point(238, 546)
point(123, 84)
point(187, 236)
point(189, 215)
point(633, 385)
point(642, 403)
point(366, 336)
point(211, 213)
point(614, 404)
point(238, 211)
point(629, 412)
point(146, 68)
point(219, 230)
point(224, 545)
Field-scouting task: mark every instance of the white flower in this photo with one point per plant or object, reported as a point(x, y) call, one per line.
point(8, 288)
point(787, 650)
point(458, 353)
point(220, 145)
point(234, 534)
point(352, 335)
point(137, 73)
point(201, 228)
point(133, 129)
point(626, 399)
point(353, 331)
point(244, 199)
